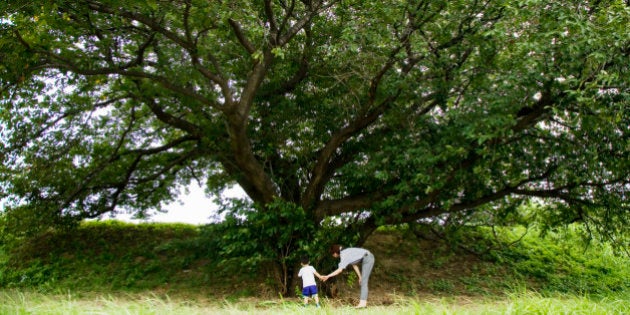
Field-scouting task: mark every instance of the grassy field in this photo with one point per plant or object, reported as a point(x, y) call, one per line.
point(21, 302)
point(117, 268)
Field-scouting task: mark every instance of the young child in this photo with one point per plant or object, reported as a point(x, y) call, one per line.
point(309, 287)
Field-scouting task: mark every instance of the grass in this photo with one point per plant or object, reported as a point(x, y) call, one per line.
point(21, 302)
point(567, 304)
point(26, 302)
point(116, 268)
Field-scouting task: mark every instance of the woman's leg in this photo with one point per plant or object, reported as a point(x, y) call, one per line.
point(366, 269)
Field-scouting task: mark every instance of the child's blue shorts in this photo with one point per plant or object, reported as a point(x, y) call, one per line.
point(309, 291)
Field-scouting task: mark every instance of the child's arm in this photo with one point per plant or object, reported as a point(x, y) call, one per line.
point(318, 275)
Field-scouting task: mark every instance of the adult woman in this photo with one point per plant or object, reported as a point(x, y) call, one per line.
point(353, 256)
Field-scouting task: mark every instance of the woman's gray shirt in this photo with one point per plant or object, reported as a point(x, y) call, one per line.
point(351, 256)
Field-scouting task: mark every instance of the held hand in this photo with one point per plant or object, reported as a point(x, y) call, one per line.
point(324, 278)
point(359, 280)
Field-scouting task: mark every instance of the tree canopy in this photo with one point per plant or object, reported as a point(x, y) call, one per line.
point(377, 112)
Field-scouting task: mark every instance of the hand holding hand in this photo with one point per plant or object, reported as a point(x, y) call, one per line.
point(324, 278)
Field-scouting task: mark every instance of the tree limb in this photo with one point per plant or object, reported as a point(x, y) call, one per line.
point(238, 31)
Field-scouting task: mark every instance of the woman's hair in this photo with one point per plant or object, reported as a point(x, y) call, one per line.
point(335, 249)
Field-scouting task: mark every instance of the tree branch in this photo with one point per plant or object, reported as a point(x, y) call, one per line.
point(238, 30)
point(152, 24)
point(272, 21)
point(360, 123)
point(327, 208)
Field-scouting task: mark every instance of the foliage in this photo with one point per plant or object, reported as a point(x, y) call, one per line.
point(368, 112)
point(563, 263)
point(242, 239)
point(179, 259)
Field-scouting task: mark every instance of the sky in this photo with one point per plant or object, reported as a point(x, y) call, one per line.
point(193, 207)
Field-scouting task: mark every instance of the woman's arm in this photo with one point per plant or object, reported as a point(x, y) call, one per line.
point(318, 275)
point(332, 274)
point(356, 269)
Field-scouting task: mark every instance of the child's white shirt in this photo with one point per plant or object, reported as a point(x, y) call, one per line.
point(308, 276)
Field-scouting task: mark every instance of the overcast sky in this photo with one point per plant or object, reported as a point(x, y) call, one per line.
point(193, 208)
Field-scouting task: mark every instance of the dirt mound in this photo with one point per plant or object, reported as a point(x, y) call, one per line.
point(410, 266)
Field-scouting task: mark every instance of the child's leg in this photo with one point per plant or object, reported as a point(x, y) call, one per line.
point(316, 298)
point(305, 300)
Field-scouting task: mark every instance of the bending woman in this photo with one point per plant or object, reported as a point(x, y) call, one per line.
point(353, 256)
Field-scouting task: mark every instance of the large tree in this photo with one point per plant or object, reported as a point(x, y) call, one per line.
point(380, 112)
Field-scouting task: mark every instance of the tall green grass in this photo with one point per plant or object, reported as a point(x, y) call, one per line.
point(25, 302)
point(561, 262)
point(108, 255)
point(534, 303)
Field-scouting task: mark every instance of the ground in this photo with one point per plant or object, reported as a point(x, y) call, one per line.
point(410, 266)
